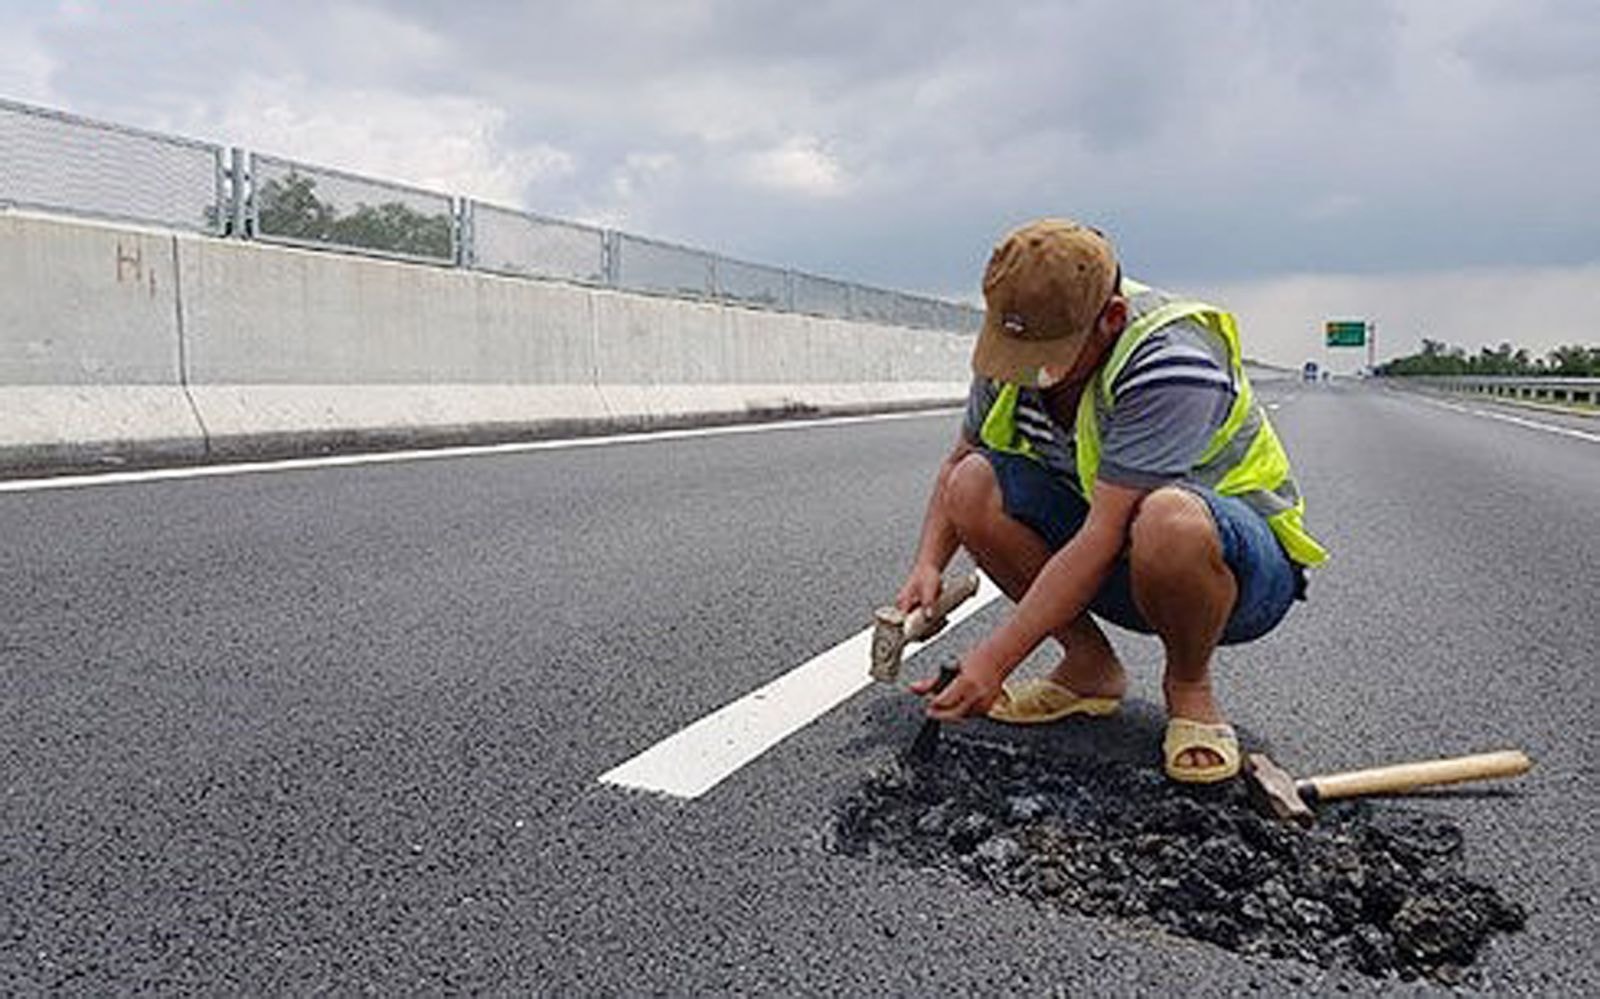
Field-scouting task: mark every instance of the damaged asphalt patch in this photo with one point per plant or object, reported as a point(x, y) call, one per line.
point(1372, 887)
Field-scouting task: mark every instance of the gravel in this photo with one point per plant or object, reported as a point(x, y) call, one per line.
point(1373, 887)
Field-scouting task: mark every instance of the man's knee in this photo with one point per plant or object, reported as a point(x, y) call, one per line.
point(971, 494)
point(1173, 533)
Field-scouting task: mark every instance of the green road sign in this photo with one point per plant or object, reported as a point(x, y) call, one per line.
point(1346, 332)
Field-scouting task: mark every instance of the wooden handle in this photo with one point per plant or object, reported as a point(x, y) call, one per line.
point(925, 621)
point(1410, 776)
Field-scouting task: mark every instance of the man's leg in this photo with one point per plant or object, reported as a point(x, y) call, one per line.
point(1185, 591)
point(1012, 554)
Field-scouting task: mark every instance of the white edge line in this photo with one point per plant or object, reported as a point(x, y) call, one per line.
point(428, 454)
point(1520, 421)
point(700, 756)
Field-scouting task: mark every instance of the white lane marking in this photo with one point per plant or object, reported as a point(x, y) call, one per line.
point(1521, 421)
point(699, 757)
point(427, 454)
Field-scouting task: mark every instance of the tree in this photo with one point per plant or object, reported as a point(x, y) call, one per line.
point(290, 208)
point(1494, 361)
point(1439, 358)
point(1575, 361)
point(397, 228)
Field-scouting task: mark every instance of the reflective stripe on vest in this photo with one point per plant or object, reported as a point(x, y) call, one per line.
point(999, 432)
point(1244, 458)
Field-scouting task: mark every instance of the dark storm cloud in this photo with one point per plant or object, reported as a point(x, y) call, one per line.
point(1539, 41)
point(892, 142)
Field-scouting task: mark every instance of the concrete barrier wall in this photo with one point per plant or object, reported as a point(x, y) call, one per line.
point(90, 360)
point(125, 344)
point(265, 315)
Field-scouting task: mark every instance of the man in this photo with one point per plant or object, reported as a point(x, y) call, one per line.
point(1113, 461)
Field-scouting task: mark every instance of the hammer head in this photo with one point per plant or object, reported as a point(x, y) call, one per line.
point(893, 628)
point(1273, 791)
point(888, 642)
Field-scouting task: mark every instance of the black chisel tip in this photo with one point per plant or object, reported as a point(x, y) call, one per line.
point(928, 737)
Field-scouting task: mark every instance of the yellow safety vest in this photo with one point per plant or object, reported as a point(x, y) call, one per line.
point(1244, 458)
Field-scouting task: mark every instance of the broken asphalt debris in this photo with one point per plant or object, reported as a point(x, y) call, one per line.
point(1375, 888)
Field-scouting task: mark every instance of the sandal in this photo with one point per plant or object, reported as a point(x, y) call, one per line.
point(1041, 700)
point(1184, 735)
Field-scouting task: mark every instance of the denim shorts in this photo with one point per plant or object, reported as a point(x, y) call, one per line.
point(1269, 581)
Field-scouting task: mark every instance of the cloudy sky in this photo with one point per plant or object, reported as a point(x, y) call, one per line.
point(1433, 165)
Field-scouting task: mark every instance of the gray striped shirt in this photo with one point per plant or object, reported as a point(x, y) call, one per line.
point(1171, 396)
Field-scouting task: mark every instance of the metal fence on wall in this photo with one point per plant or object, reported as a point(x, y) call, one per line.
point(662, 268)
point(55, 162)
point(821, 296)
point(60, 162)
point(305, 205)
point(752, 284)
point(509, 242)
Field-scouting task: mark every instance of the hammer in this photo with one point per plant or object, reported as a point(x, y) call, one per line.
point(1278, 794)
point(893, 628)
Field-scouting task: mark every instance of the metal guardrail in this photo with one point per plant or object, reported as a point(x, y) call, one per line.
point(56, 162)
point(1535, 389)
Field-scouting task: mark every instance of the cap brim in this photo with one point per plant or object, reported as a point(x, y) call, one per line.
point(1005, 358)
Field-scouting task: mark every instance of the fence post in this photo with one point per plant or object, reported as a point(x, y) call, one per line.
point(610, 257)
point(239, 198)
point(252, 203)
point(463, 232)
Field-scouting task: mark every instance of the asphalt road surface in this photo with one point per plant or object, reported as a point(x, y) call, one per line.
point(341, 729)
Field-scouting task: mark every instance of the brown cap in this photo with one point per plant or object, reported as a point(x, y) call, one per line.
point(1044, 288)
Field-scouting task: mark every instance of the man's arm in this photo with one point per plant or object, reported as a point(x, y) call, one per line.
point(1061, 591)
point(937, 543)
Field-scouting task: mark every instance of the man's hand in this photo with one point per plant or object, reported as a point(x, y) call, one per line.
point(937, 542)
point(970, 693)
point(921, 588)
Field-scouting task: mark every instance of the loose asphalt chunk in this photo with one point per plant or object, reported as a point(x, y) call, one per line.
point(1371, 886)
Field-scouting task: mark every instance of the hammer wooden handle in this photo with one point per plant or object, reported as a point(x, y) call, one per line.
point(1410, 776)
point(892, 627)
point(925, 621)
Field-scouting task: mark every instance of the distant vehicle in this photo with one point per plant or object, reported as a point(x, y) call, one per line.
point(1311, 372)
